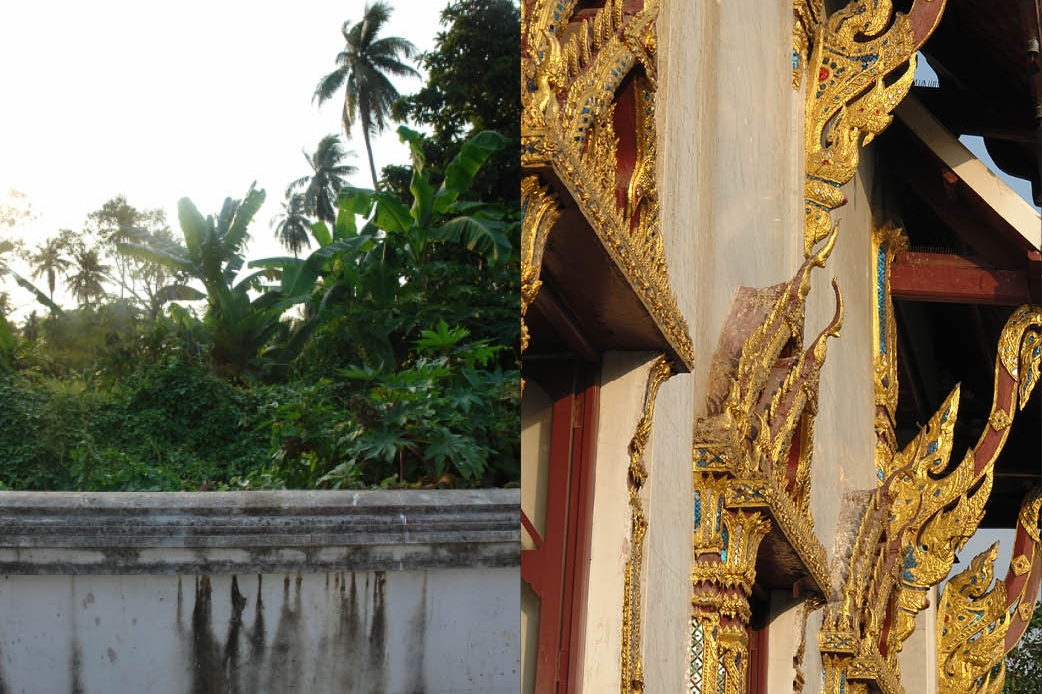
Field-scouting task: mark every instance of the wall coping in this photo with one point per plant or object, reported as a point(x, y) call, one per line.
point(62, 533)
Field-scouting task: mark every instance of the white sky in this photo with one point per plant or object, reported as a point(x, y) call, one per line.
point(158, 101)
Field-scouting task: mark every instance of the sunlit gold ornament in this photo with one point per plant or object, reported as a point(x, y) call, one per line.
point(752, 466)
point(539, 214)
point(632, 680)
point(571, 70)
point(910, 527)
point(887, 241)
point(978, 627)
point(852, 53)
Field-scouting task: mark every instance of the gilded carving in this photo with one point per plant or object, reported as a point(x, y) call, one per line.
point(806, 16)
point(539, 214)
point(848, 100)
point(977, 627)
point(887, 241)
point(632, 662)
point(573, 64)
point(911, 526)
point(751, 461)
point(725, 545)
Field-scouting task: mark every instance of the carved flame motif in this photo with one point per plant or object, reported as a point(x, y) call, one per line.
point(852, 55)
point(976, 627)
point(632, 680)
point(573, 67)
point(539, 212)
point(923, 511)
point(752, 458)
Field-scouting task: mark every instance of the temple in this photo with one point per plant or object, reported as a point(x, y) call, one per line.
point(780, 340)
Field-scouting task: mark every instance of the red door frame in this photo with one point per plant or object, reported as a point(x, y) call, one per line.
point(557, 569)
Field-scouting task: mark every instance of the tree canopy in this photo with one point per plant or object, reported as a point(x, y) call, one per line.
point(362, 70)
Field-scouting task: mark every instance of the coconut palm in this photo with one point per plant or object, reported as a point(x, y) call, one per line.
point(86, 281)
point(328, 172)
point(362, 69)
point(48, 260)
point(292, 225)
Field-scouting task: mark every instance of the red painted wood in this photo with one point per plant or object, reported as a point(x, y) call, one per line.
point(756, 673)
point(557, 570)
point(577, 576)
point(938, 277)
point(552, 566)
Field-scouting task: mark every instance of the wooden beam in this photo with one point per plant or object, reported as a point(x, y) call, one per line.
point(943, 278)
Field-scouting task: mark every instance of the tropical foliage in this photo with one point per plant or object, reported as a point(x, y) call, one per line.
point(383, 352)
point(362, 71)
point(328, 175)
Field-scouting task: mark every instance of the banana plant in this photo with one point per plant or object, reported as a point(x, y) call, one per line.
point(240, 327)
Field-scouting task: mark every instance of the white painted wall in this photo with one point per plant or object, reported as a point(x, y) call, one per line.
point(332, 632)
point(253, 592)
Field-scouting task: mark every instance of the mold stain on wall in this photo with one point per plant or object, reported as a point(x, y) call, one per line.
point(4, 689)
point(287, 646)
point(75, 650)
point(350, 656)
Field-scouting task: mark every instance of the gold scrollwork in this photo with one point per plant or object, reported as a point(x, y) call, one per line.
point(978, 627)
point(632, 664)
point(539, 214)
point(848, 100)
point(751, 463)
point(573, 64)
point(913, 523)
point(806, 17)
point(887, 241)
point(726, 543)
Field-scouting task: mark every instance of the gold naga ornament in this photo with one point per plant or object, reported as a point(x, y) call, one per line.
point(848, 59)
point(978, 627)
point(632, 678)
point(576, 64)
point(752, 471)
point(909, 528)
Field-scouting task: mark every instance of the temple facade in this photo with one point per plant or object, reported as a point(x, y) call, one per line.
point(780, 339)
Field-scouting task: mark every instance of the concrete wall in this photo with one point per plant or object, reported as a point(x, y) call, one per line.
point(260, 592)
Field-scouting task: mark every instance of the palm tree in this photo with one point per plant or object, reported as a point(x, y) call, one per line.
point(292, 225)
point(327, 178)
point(364, 65)
point(48, 260)
point(87, 280)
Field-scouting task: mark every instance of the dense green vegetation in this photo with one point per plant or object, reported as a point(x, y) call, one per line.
point(383, 351)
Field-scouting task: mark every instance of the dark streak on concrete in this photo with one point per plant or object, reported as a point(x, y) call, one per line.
point(207, 669)
point(417, 640)
point(378, 634)
point(287, 647)
point(75, 651)
point(180, 608)
point(4, 689)
point(257, 638)
point(231, 646)
point(347, 650)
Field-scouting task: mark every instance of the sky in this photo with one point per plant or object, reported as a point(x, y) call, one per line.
point(159, 101)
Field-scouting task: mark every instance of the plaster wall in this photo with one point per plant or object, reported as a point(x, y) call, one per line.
point(623, 382)
point(844, 436)
point(260, 592)
point(367, 631)
point(731, 156)
point(918, 658)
